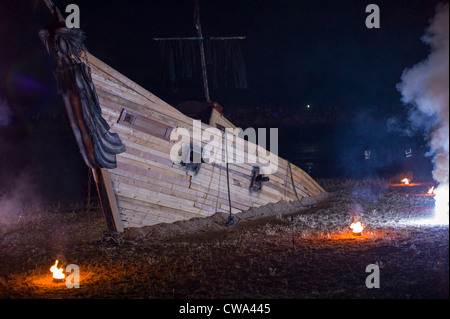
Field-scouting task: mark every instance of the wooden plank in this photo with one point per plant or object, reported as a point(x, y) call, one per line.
point(192, 194)
point(142, 139)
point(213, 183)
point(167, 173)
point(198, 198)
point(149, 173)
point(107, 199)
point(222, 194)
point(93, 61)
point(179, 192)
point(146, 179)
point(112, 199)
point(150, 208)
point(146, 195)
point(146, 219)
point(148, 162)
point(159, 156)
point(146, 155)
point(151, 110)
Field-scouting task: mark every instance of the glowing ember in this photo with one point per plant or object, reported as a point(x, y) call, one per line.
point(57, 272)
point(431, 190)
point(357, 228)
point(405, 181)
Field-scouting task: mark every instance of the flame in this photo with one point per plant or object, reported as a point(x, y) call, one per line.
point(431, 191)
point(405, 181)
point(357, 227)
point(57, 272)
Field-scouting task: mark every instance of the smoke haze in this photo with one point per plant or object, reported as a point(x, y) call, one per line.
point(426, 87)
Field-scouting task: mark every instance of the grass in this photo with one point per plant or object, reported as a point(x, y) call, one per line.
point(289, 253)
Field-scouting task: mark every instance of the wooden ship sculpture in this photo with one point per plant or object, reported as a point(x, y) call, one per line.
point(127, 136)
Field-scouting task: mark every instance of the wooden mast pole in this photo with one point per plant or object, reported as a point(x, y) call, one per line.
point(198, 26)
point(200, 40)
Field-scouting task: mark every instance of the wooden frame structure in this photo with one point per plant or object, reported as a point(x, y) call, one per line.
point(148, 188)
point(125, 136)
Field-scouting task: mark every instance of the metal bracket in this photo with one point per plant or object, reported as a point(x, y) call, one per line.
point(257, 179)
point(190, 165)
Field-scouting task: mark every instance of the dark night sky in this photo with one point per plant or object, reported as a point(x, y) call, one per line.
point(296, 52)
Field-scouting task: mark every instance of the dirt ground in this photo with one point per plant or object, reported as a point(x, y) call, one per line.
point(282, 250)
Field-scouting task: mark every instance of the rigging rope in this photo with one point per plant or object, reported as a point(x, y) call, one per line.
point(230, 221)
point(295, 190)
point(292, 180)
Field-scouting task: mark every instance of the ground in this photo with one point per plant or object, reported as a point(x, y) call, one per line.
point(282, 250)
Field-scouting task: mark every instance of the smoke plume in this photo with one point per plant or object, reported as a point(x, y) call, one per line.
point(425, 86)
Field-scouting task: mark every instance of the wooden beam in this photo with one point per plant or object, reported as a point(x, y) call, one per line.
point(196, 38)
point(108, 199)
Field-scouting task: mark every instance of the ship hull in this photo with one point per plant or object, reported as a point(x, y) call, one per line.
point(148, 187)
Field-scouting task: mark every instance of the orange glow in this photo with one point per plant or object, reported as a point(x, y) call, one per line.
point(57, 272)
point(431, 191)
point(357, 227)
point(405, 181)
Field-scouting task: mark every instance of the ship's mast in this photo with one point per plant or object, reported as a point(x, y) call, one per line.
point(198, 26)
point(200, 40)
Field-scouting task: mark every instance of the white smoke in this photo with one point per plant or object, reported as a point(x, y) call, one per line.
point(426, 87)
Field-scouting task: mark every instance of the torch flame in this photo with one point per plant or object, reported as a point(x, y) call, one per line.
point(57, 272)
point(405, 181)
point(357, 227)
point(431, 190)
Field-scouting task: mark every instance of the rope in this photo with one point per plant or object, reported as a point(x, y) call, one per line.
point(88, 204)
point(292, 180)
point(295, 191)
point(230, 216)
point(294, 260)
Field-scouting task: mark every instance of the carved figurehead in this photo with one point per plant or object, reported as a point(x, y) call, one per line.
point(98, 146)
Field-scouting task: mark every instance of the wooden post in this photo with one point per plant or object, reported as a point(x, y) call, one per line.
point(198, 26)
point(107, 199)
